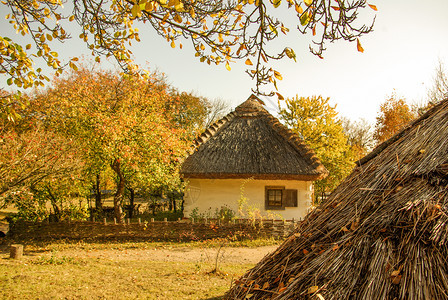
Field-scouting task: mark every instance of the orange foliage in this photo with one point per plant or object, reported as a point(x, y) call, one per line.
point(394, 114)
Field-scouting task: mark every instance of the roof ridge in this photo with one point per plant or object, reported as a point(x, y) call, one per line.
point(378, 149)
point(302, 147)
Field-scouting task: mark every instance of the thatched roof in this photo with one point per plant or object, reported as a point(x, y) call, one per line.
point(250, 142)
point(382, 234)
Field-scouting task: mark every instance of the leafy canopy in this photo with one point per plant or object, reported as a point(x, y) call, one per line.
point(394, 114)
point(220, 31)
point(317, 123)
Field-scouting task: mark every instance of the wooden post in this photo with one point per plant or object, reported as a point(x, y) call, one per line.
point(165, 220)
point(93, 219)
point(115, 221)
point(105, 221)
point(152, 220)
point(205, 220)
point(16, 251)
point(139, 221)
point(178, 219)
point(129, 221)
point(192, 220)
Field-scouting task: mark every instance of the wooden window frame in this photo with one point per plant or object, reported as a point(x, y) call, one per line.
point(266, 203)
point(289, 198)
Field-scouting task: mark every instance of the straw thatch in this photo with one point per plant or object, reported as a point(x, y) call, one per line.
point(382, 234)
point(250, 142)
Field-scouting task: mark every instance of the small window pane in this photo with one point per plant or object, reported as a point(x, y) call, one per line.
point(275, 197)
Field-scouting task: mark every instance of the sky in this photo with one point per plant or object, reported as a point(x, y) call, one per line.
point(401, 55)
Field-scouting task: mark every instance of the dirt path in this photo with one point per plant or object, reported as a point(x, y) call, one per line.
point(229, 255)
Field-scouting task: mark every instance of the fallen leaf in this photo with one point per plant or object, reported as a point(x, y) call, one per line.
point(312, 289)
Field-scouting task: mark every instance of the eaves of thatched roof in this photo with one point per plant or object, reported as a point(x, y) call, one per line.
point(382, 234)
point(250, 143)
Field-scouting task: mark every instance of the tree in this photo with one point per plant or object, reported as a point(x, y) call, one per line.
point(439, 89)
point(359, 136)
point(29, 156)
point(317, 123)
point(220, 31)
point(216, 109)
point(394, 114)
point(120, 123)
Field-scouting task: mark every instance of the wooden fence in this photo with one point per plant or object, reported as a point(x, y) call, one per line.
point(181, 230)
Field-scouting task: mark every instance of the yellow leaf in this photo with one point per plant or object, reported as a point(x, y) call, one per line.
point(304, 19)
point(136, 11)
point(179, 6)
point(373, 7)
point(278, 75)
point(280, 97)
point(228, 66)
point(312, 289)
point(266, 285)
point(220, 37)
point(71, 18)
point(276, 3)
point(178, 18)
point(248, 62)
point(149, 6)
point(28, 47)
point(308, 2)
point(192, 13)
point(335, 7)
point(299, 9)
point(173, 45)
point(360, 48)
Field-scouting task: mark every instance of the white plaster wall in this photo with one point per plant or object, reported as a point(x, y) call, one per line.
point(207, 195)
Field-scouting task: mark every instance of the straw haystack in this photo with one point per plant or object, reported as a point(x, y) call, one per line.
point(250, 149)
point(382, 234)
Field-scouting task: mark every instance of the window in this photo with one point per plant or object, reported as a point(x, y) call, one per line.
point(277, 198)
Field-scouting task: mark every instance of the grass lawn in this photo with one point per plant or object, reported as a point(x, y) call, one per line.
point(119, 271)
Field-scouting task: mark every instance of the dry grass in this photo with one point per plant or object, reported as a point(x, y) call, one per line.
point(113, 271)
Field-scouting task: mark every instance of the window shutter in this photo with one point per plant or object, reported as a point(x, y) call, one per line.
point(290, 198)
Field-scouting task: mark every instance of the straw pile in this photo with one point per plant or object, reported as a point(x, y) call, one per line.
point(250, 142)
point(382, 234)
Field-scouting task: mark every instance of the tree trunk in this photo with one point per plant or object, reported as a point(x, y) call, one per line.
point(98, 202)
point(53, 201)
point(118, 198)
point(131, 202)
point(174, 204)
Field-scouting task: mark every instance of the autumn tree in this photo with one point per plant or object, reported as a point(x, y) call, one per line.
point(219, 31)
point(317, 123)
point(120, 123)
point(359, 136)
point(32, 156)
point(394, 114)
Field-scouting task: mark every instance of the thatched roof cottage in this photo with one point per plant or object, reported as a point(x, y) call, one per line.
point(382, 234)
point(249, 163)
